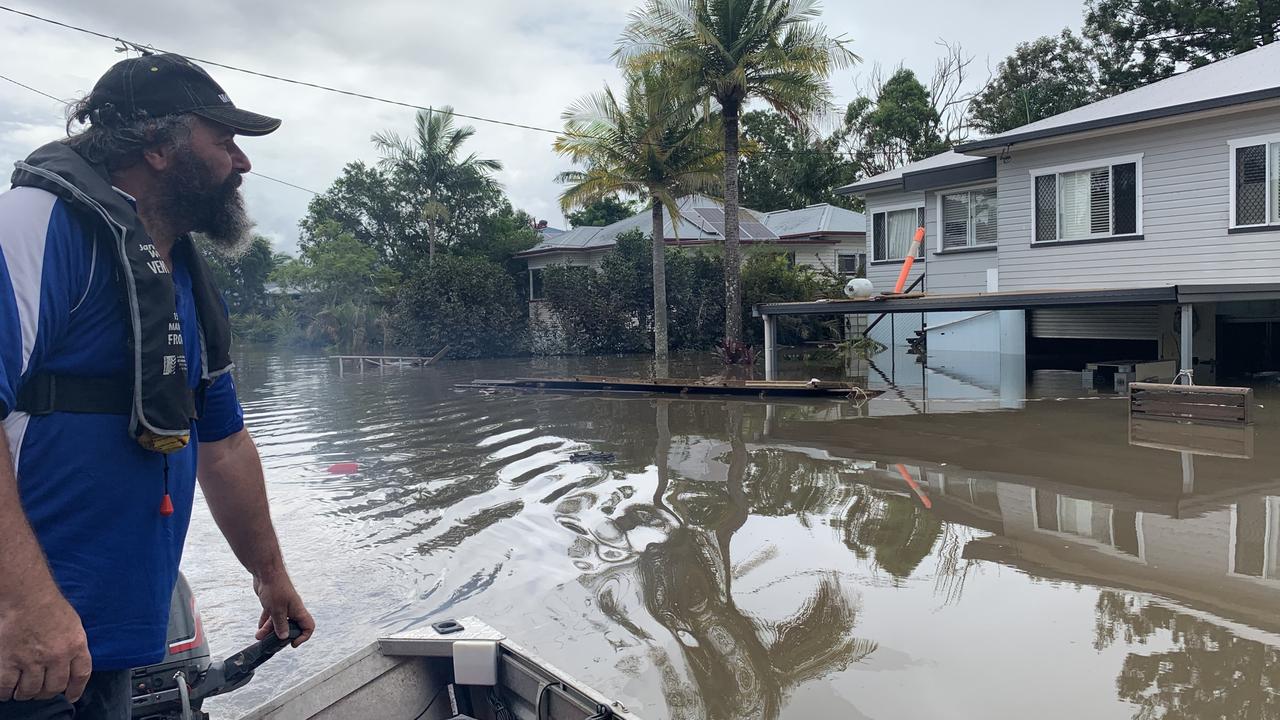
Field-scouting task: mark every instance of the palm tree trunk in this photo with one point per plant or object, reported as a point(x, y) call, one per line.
point(431, 243)
point(659, 293)
point(732, 257)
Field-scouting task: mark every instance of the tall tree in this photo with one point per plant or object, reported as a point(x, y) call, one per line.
point(793, 167)
point(605, 211)
point(647, 144)
point(1141, 41)
point(729, 51)
point(1042, 78)
point(243, 278)
point(897, 126)
point(429, 160)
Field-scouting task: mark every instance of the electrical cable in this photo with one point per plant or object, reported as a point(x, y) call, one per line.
point(251, 172)
point(140, 47)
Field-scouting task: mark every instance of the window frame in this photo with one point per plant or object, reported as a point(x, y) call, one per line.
point(533, 297)
point(968, 189)
point(859, 258)
point(1273, 203)
point(921, 211)
point(1108, 162)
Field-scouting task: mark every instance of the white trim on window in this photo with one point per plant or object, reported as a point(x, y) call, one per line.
point(941, 231)
point(1272, 175)
point(1107, 162)
point(921, 208)
point(872, 209)
point(1086, 164)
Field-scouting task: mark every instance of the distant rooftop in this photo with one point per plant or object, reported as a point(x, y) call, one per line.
point(702, 221)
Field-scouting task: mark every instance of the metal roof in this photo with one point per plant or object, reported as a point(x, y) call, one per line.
point(1248, 77)
point(815, 220)
point(702, 220)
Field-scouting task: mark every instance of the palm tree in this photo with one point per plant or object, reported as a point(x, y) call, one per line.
point(643, 145)
point(730, 51)
point(428, 161)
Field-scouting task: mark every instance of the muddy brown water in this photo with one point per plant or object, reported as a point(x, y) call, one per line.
point(966, 545)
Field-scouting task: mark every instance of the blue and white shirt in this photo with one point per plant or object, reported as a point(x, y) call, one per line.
point(90, 492)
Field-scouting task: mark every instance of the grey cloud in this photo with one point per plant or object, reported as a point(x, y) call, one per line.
point(516, 60)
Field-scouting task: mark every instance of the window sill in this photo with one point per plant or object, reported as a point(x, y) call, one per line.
point(898, 261)
point(959, 251)
point(1085, 241)
point(1253, 229)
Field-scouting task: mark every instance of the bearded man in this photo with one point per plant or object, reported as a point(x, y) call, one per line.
point(116, 391)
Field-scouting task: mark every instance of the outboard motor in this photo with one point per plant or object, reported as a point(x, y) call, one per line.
point(175, 688)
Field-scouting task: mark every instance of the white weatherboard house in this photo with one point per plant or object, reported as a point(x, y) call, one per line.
point(1104, 231)
point(819, 236)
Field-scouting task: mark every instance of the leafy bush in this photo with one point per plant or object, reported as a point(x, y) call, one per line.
point(610, 310)
point(769, 277)
point(470, 304)
point(252, 327)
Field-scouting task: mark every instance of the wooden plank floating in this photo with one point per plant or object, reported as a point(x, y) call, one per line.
point(678, 386)
point(1198, 403)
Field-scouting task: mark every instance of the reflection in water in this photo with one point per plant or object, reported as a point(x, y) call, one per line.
point(1209, 673)
point(751, 560)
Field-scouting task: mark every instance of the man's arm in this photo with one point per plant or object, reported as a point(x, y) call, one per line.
point(230, 474)
point(43, 649)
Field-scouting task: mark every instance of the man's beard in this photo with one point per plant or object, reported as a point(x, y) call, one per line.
point(193, 198)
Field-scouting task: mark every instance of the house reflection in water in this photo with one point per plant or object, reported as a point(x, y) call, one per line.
point(1181, 546)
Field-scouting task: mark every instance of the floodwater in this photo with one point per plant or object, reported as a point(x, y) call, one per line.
point(965, 545)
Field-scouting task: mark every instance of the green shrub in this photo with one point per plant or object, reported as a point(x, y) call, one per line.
point(471, 304)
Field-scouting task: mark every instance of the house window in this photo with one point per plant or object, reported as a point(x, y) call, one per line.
point(535, 285)
point(967, 219)
point(1088, 202)
point(851, 264)
point(1255, 182)
point(1256, 550)
point(892, 232)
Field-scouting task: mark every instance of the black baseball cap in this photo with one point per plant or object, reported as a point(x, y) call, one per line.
point(160, 85)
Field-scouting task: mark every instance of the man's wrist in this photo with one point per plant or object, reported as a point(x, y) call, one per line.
point(270, 572)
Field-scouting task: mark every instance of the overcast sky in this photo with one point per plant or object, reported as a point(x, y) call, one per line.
point(516, 60)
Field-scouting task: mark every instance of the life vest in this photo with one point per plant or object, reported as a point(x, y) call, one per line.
point(161, 405)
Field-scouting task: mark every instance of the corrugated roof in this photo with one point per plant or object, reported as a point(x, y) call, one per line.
point(815, 220)
point(1247, 77)
point(702, 220)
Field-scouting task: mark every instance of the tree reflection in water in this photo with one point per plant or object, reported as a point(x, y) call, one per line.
point(1210, 673)
point(741, 665)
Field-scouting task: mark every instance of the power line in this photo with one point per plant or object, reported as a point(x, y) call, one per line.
point(28, 87)
point(283, 182)
point(65, 102)
point(367, 96)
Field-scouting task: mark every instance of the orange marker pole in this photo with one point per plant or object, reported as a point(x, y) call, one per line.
point(911, 259)
point(915, 487)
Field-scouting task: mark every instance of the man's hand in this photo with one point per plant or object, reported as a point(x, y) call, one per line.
point(280, 604)
point(43, 650)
